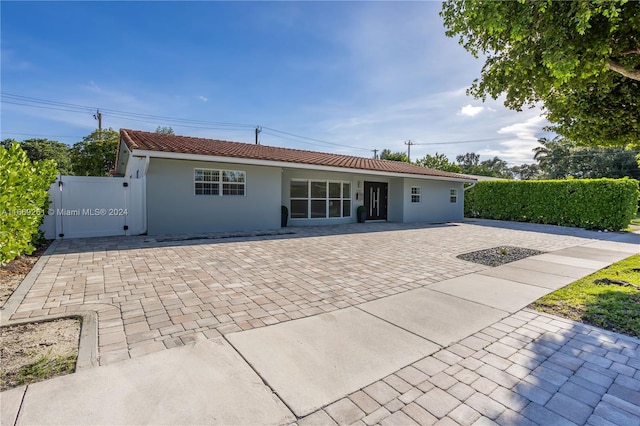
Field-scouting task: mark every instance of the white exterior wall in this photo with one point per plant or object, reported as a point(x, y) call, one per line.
point(435, 205)
point(395, 208)
point(173, 207)
point(124, 156)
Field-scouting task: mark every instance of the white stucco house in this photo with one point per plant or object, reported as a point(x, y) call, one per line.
point(203, 185)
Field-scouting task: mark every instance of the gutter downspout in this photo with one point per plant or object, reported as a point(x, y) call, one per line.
point(147, 160)
point(470, 186)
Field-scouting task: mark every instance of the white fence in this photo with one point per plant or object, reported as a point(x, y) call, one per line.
point(87, 206)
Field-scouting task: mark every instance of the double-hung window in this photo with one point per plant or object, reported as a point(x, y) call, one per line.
point(319, 199)
point(219, 182)
point(207, 182)
point(453, 195)
point(233, 182)
point(415, 194)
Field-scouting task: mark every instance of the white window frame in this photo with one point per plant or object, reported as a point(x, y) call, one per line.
point(327, 198)
point(233, 183)
point(416, 194)
point(220, 182)
point(453, 195)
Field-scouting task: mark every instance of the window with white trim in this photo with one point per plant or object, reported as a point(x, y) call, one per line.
point(415, 194)
point(219, 182)
point(319, 199)
point(233, 182)
point(453, 195)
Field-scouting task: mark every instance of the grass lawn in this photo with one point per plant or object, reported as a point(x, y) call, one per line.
point(610, 306)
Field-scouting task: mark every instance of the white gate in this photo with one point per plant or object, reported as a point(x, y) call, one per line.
point(88, 206)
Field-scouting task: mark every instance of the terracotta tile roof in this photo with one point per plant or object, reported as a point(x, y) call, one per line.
point(148, 141)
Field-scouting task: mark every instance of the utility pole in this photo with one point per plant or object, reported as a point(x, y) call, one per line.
point(409, 143)
point(98, 116)
point(375, 154)
point(258, 130)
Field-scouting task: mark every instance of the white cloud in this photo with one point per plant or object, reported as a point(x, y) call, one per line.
point(470, 111)
point(403, 80)
point(10, 61)
point(525, 130)
point(93, 87)
point(410, 111)
point(518, 149)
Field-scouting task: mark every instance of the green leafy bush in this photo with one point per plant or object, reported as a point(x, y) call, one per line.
point(23, 199)
point(584, 203)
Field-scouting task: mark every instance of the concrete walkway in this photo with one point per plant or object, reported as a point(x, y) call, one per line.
point(453, 350)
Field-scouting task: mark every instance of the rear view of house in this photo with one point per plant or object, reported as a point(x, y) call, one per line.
point(204, 185)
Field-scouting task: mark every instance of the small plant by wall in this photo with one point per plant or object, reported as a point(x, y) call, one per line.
point(361, 214)
point(585, 203)
point(23, 200)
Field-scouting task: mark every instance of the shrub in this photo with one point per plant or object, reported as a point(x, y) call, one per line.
point(585, 203)
point(23, 199)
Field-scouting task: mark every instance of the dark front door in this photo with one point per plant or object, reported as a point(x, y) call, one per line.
point(375, 200)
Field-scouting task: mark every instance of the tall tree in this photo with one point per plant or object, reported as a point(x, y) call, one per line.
point(438, 162)
point(526, 172)
point(386, 154)
point(468, 160)
point(580, 58)
point(499, 167)
point(560, 158)
point(44, 149)
point(495, 167)
point(6, 143)
point(96, 154)
point(553, 157)
point(165, 130)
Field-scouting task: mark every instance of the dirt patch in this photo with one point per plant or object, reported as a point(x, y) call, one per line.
point(37, 351)
point(497, 256)
point(12, 274)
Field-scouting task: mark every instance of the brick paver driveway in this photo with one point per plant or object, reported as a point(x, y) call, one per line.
point(527, 369)
point(151, 294)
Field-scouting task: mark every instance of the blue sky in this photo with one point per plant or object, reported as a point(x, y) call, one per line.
point(359, 75)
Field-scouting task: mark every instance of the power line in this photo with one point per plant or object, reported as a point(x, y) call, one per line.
point(112, 112)
point(465, 141)
point(592, 154)
point(178, 122)
point(86, 110)
point(298, 140)
point(27, 101)
point(309, 139)
point(40, 134)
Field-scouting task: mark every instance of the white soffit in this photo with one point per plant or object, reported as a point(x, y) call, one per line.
point(285, 164)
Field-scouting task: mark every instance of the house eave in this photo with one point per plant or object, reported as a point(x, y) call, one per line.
point(284, 164)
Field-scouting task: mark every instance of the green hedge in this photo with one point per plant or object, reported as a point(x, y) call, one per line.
point(584, 203)
point(23, 198)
